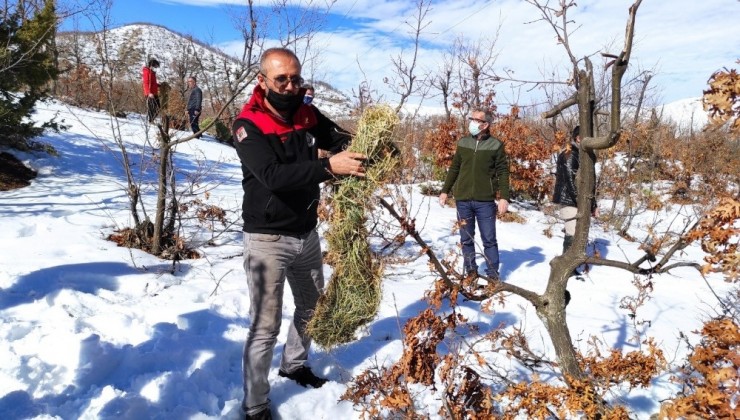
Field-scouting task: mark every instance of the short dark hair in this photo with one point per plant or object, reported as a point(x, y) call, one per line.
point(576, 132)
point(487, 114)
point(277, 51)
point(153, 63)
point(309, 86)
point(193, 77)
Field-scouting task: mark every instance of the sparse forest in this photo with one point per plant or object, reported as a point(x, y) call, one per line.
point(637, 163)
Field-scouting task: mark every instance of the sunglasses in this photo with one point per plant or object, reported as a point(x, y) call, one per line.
point(283, 80)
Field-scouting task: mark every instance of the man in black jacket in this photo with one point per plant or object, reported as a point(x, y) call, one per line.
point(277, 137)
point(195, 101)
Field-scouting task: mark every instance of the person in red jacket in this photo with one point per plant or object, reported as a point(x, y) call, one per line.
point(151, 88)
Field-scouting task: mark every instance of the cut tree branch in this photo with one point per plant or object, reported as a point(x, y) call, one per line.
point(562, 106)
point(494, 287)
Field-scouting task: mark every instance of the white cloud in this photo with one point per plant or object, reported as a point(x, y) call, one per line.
point(683, 41)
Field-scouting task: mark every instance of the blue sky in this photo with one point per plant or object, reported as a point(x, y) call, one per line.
point(681, 42)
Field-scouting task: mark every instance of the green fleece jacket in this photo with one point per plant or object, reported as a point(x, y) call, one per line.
point(480, 169)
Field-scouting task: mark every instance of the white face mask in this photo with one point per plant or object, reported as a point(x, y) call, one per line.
point(474, 128)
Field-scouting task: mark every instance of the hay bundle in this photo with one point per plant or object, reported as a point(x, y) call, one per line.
point(353, 295)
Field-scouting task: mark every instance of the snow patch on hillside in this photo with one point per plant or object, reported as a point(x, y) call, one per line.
point(685, 113)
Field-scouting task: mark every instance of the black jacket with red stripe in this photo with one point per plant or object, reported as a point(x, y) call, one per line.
point(280, 165)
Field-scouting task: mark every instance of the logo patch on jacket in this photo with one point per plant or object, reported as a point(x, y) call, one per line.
point(241, 134)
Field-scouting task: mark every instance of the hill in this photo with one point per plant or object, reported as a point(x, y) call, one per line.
point(123, 51)
point(685, 113)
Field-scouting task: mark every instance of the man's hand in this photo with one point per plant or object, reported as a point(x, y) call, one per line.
point(442, 199)
point(347, 163)
point(503, 206)
point(196, 112)
point(595, 213)
point(151, 95)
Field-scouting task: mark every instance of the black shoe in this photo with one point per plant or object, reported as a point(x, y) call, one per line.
point(265, 414)
point(494, 276)
point(471, 274)
point(304, 377)
point(567, 298)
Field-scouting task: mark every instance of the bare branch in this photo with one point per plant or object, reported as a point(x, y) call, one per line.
point(562, 106)
point(404, 82)
point(632, 268)
point(494, 287)
point(411, 230)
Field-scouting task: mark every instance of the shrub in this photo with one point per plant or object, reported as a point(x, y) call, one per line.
point(219, 130)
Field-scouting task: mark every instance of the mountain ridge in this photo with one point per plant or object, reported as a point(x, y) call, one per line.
point(175, 49)
point(129, 47)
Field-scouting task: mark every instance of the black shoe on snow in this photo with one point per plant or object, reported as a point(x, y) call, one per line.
point(304, 377)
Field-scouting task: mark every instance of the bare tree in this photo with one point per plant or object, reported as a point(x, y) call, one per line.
point(442, 82)
point(475, 80)
point(403, 80)
point(297, 28)
point(365, 95)
point(551, 309)
point(100, 17)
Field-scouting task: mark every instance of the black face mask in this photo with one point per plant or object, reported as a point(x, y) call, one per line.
point(288, 103)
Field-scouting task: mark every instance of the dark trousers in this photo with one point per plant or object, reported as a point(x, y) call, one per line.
point(152, 107)
point(193, 117)
point(484, 212)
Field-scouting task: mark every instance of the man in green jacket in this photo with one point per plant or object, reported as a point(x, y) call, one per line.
point(479, 172)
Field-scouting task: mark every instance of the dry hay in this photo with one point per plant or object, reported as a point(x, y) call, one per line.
point(353, 295)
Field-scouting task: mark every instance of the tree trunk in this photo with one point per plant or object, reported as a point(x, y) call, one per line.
point(164, 153)
point(552, 315)
point(552, 312)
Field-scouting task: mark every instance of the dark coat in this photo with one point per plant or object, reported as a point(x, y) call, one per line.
point(195, 99)
point(566, 192)
point(280, 165)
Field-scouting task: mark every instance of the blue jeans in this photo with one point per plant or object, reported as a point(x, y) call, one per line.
point(468, 212)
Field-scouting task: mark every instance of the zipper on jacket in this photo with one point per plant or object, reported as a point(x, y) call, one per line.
point(475, 162)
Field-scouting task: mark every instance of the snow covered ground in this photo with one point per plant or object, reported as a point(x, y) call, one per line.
point(90, 330)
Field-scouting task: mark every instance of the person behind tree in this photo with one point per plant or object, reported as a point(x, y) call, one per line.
point(308, 100)
point(277, 137)
point(308, 97)
point(479, 171)
point(195, 101)
point(565, 192)
point(151, 88)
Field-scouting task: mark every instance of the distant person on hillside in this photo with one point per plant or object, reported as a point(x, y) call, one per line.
point(276, 137)
point(151, 88)
point(195, 100)
point(566, 192)
point(308, 97)
point(480, 174)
